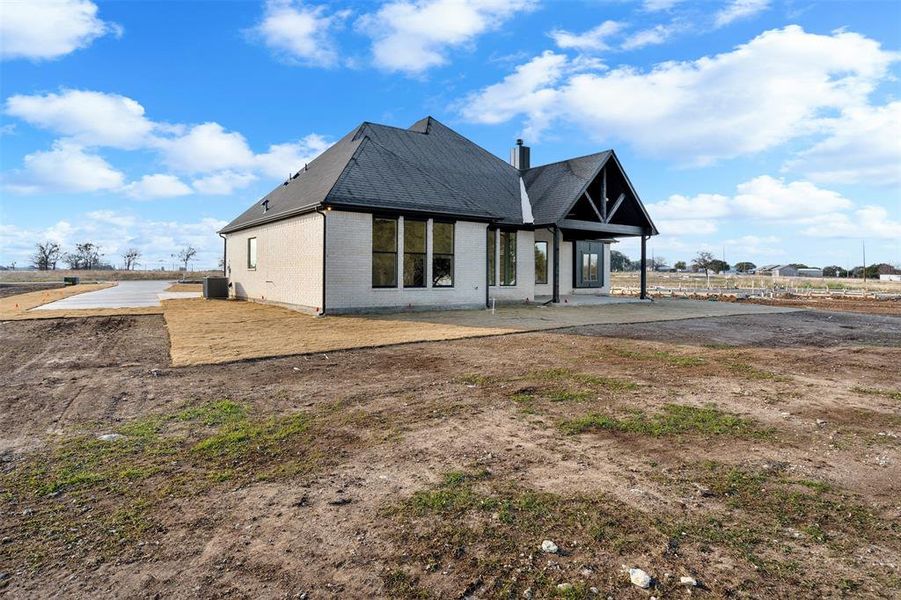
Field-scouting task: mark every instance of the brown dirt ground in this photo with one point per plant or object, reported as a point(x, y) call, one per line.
point(185, 287)
point(357, 516)
point(210, 332)
point(870, 306)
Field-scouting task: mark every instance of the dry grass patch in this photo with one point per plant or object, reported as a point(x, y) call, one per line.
point(185, 287)
point(218, 331)
point(674, 419)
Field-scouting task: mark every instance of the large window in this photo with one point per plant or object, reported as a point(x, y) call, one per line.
point(414, 253)
point(384, 252)
point(540, 262)
point(508, 257)
point(442, 254)
point(492, 257)
point(252, 253)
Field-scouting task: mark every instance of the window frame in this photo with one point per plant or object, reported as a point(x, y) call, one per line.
point(384, 252)
point(544, 280)
point(424, 254)
point(451, 255)
point(491, 242)
point(503, 267)
point(252, 243)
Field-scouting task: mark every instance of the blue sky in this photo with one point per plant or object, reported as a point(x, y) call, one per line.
point(767, 130)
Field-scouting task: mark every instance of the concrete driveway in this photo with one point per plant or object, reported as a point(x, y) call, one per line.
point(127, 294)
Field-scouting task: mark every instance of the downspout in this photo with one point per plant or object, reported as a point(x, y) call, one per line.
point(324, 258)
point(224, 255)
point(555, 297)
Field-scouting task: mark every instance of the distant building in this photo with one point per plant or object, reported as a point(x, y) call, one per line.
point(784, 271)
point(889, 277)
point(810, 272)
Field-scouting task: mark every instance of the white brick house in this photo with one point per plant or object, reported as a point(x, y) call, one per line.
point(395, 219)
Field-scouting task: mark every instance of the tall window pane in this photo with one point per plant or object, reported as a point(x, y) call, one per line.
point(384, 252)
point(442, 254)
point(252, 253)
point(540, 262)
point(508, 257)
point(414, 253)
point(492, 262)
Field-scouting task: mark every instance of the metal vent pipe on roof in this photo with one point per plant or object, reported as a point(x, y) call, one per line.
point(519, 156)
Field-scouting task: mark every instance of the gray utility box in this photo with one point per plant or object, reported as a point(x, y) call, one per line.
point(215, 287)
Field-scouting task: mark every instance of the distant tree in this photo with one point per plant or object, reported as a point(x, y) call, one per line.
point(46, 256)
point(131, 257)
point(657, 263)
point(704, 262)
point(834, 271)
point(745, 267)
point(186, 255)
point(221, 263)
point(873, 272)
point(619, 261)
point(798, 265)
point(680, 265)
point(719, 266)
point(86, 256)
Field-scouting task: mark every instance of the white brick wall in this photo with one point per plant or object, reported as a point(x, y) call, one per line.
point(349, 268)
point(289, 262)
point(566, 268)
point(289, 266)
point(524, 290)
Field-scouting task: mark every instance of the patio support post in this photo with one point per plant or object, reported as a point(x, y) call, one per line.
point(556, 297)
point(644, 269)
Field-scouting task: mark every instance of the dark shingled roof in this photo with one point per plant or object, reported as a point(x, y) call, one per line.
point(553, 188)
point(427, 168)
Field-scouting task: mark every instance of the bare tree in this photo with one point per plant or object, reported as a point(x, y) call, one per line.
point(86, 256)
point(131, 257)
point(46, 256)
point(704, 260)
point(186, 255)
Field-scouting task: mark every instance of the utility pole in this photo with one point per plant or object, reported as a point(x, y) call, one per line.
point(863, 245)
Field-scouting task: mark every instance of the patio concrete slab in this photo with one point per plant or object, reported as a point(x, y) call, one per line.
point(126, 294)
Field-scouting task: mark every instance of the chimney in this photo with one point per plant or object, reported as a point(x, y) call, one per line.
point(519, 156)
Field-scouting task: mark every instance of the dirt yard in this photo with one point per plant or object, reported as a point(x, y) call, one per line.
point(758, 454)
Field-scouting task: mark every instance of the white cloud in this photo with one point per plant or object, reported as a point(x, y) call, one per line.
point(528, 90)
point(223, 183)
point(206, 147)
point(761, 199)
point(592, 40)
point(91, 118)
point(283, 159)
point(863, 146)
point(48, 29)
point(755, 245)
point(658, 5)
point(65, 167)
point(761, 94)
point(414, 36)
point(765, 197)
point(865, 223)
point(157, 186)
point(739, 9)
point(115, 232)
point(301, 33)
point(220, 160)
point(648, 37)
